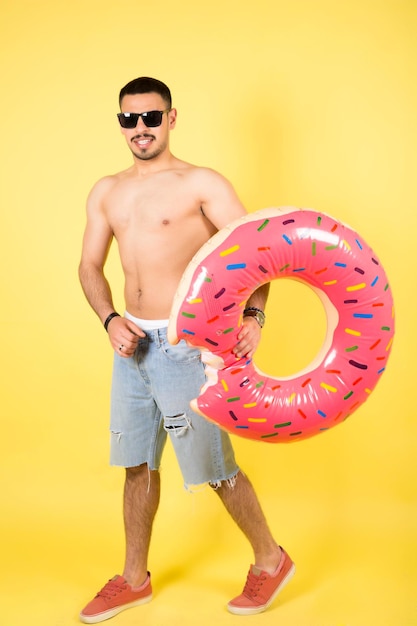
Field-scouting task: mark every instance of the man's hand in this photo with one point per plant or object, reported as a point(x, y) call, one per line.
point(248, 338)
point(124, 336)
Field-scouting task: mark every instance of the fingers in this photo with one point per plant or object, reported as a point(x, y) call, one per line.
point(124, 336)
point(248, 339)
point(134, 329)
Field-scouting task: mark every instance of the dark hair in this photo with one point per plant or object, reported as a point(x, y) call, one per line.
point(146, 85)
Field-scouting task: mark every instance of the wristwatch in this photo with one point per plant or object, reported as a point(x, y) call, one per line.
point(258, 314)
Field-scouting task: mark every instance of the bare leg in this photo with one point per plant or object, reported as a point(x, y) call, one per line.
point(141, 500)
point(243, 506)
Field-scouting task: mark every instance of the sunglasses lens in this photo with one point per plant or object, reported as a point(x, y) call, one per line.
point(152, 118)
point(128, 120)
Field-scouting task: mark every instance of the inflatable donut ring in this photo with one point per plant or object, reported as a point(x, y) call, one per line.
point(351, 283)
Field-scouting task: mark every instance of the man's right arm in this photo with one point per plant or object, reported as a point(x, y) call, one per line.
point(98, 235)
point(97, 239)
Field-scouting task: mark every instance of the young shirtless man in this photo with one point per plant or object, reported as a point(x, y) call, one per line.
point(161, 211)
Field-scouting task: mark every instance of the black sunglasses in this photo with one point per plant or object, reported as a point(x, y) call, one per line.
point(151, 119)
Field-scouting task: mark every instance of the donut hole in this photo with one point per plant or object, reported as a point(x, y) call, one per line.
point(295, 329)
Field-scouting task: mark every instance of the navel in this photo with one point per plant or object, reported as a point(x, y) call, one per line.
point(165, 222)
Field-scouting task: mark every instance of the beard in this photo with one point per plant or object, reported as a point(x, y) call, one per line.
point(147, 153)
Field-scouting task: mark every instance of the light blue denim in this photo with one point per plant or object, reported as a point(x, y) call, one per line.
point(151, 393)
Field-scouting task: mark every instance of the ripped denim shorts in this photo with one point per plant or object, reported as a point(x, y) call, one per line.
point(151, 393)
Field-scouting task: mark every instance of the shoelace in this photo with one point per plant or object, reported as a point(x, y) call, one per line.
point(253, 584)
point(111, 589)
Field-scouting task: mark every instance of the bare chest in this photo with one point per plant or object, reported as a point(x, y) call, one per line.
point(147, 207)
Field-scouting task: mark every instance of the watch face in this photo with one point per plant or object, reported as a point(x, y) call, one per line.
point(258, 315)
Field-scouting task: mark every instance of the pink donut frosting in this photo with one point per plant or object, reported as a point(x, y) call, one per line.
point(337, 263)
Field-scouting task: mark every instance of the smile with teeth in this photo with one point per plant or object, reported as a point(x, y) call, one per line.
point(143, 140)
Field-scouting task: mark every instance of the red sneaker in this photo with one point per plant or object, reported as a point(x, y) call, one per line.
point(261, 588)
point(116, 596)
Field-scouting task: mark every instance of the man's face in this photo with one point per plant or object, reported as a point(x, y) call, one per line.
point(147, 143)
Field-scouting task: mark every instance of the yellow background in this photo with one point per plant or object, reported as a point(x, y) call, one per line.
point(305, 103)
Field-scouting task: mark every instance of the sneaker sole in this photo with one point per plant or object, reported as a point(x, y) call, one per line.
point(101, 617)
point(236, 610)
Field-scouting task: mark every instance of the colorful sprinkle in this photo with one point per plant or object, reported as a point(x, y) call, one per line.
point(328, 387)
point(236, 266)
point(185, 314)
point(361, 366)
point(220, 293)
point(263, 225)
point(229, 250)
point(213, 343)
point(349, 331)
point(287, 239)
point(356, 287)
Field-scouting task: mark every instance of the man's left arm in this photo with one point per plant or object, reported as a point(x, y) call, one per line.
point(253, 321)
point(221, 206)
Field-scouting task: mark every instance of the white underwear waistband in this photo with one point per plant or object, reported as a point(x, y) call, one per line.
point(146, 324)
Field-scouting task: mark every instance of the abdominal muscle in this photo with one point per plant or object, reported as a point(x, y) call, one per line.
point(155, 262)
